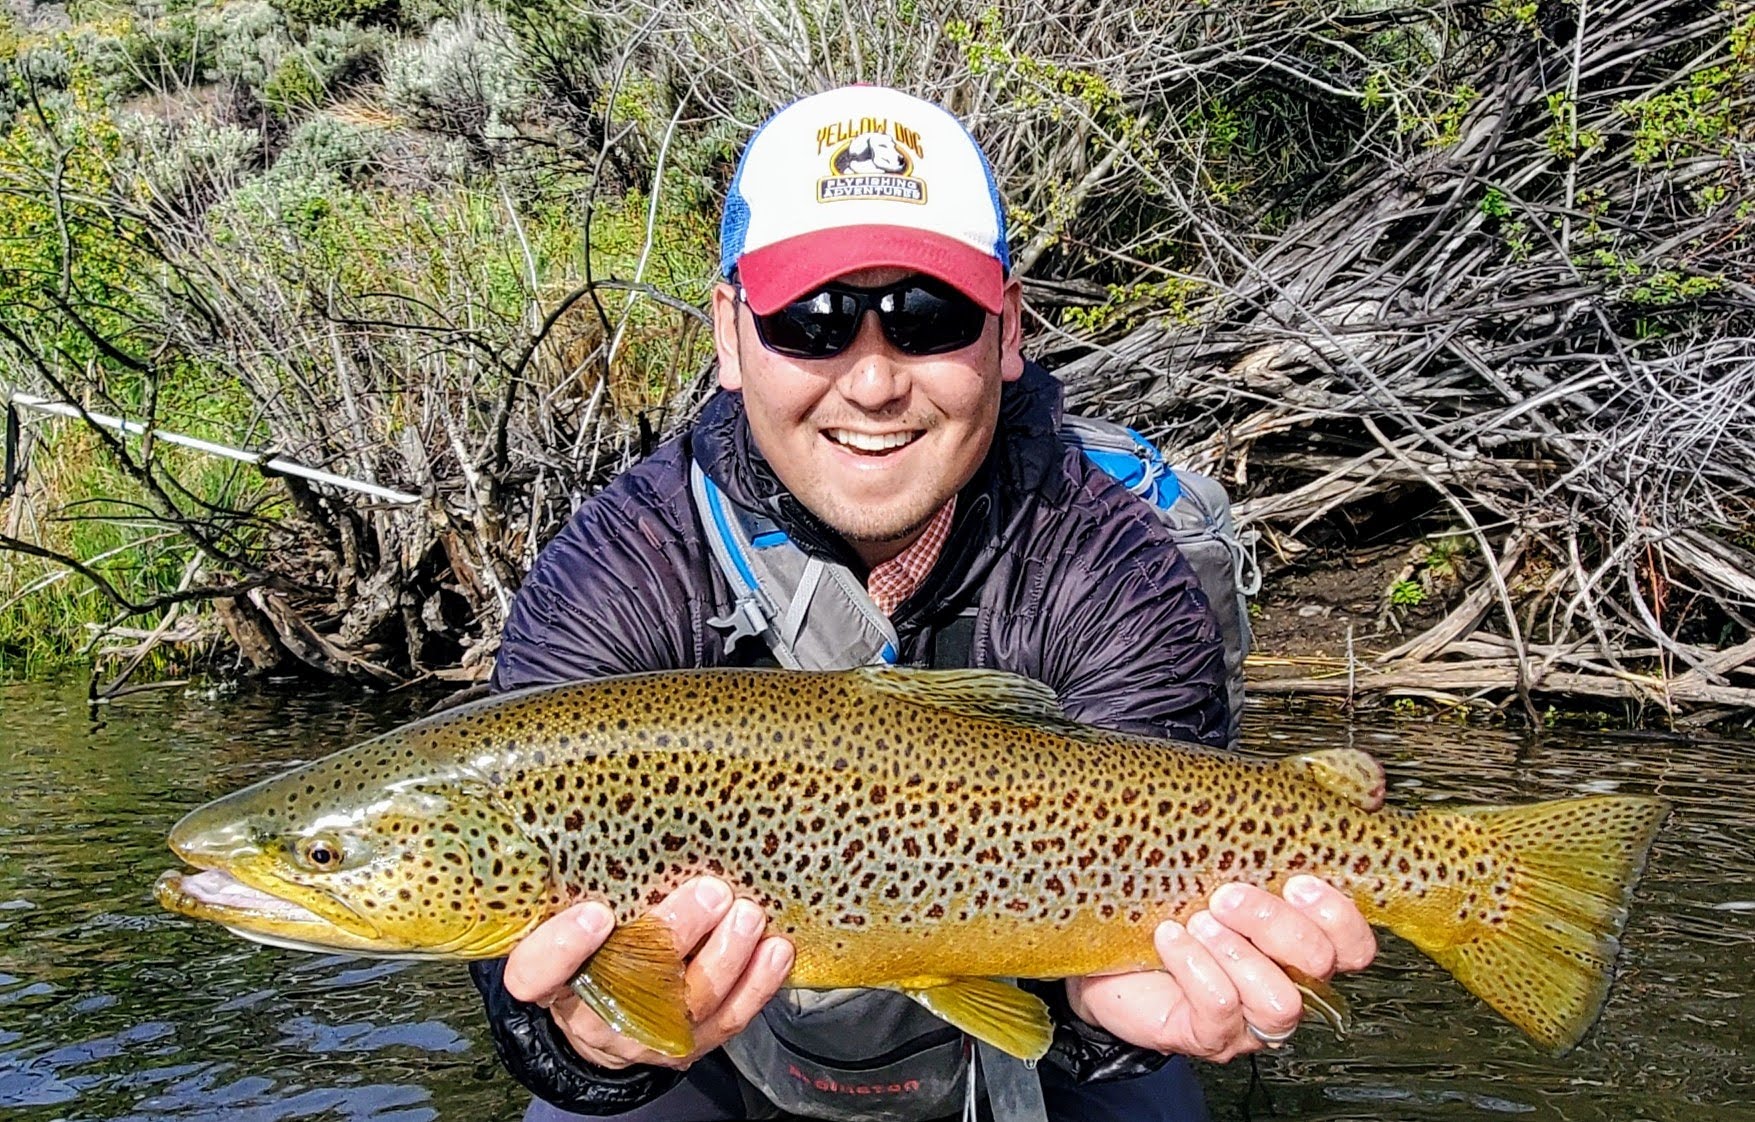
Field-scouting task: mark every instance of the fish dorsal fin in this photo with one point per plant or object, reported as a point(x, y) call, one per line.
point(996, 1013)
point(990, 694)
point(635, 983)
point(1347, 772)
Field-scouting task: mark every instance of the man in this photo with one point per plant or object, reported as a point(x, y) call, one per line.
point(879, 422)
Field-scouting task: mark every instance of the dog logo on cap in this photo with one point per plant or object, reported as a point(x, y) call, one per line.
point(870, 159)
point(871, 153)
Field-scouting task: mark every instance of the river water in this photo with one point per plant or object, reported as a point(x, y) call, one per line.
point(110, 1009)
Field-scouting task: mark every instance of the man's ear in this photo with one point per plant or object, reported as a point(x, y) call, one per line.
point(1011, 331)
point(725, 336)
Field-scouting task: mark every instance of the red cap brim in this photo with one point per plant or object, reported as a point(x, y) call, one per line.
point(778, 274)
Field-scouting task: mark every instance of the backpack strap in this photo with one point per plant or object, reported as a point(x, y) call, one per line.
point(953, 645)
point(812, 614)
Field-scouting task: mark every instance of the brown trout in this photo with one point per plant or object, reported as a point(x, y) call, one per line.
point(922, 831)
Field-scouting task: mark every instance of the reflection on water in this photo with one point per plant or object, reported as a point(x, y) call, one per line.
point(110, 1009)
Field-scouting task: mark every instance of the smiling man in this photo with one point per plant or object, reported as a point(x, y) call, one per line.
point(883, 478)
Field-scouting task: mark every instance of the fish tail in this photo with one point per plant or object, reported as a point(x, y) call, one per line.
point(1537, 933)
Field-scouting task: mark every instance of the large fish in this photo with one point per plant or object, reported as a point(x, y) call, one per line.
point(915, 830)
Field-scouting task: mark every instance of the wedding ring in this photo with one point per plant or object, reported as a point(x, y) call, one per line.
point(1271, 1039)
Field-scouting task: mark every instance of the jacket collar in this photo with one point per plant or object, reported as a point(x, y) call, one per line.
point(1023, 460)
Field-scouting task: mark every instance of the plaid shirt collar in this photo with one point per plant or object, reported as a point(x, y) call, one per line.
point(893, 581)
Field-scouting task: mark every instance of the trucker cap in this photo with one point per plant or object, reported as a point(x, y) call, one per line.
point(857, 178)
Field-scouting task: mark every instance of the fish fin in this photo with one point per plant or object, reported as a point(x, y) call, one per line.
point(1322, 1002)
point(1546, 959)
point(635, 983)
point(1347, 772)
point(996, 1013)
point(991, 695)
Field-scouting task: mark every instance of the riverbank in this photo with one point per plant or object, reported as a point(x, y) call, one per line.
point(1352, 632)
point(1476, 279)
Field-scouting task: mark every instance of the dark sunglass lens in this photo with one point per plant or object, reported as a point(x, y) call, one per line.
point(926, 319)
point(820, 325)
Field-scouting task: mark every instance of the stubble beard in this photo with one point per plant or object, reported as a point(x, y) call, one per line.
point(865, 528)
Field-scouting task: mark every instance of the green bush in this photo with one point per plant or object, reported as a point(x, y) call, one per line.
point(179, 160)
point(324, 12)
point(466, 78)
point(324, 146)
point(295, 87)
point(252, 40)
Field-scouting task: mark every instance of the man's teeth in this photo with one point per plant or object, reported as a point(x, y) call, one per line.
point(868, 442)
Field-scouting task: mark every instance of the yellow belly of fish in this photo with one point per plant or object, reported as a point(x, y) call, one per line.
point(884, 952)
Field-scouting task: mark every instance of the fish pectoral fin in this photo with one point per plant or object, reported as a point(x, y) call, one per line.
point(1347, 772)
point(1322, 1002)
point(635, 983)
point(995, 1013)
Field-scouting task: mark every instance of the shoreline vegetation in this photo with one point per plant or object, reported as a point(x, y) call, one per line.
point(1457, 302)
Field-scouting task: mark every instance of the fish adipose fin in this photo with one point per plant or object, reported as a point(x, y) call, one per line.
point(1347, 772)
point(996, 1013)
point(635, 983)
point(1547, 963)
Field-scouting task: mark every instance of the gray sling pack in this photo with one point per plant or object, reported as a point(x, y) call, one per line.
point(1198, 514)
point(810, 1053)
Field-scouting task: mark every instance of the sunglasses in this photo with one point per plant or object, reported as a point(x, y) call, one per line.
point(918, 315)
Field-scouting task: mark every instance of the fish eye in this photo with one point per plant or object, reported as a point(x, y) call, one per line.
point(323, 854)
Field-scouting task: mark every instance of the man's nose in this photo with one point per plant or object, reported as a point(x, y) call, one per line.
point(873, 377)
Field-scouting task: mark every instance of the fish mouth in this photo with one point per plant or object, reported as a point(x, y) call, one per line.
point(251, 913)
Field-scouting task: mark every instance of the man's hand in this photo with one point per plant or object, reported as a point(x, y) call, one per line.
point(732, 971)
point(1222, 974)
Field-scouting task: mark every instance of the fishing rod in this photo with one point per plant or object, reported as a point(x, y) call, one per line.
point(262, 460)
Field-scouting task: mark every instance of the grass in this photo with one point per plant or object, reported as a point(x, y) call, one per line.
point(77, 501)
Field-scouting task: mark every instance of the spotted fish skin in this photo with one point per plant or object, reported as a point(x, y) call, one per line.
point(905, 824)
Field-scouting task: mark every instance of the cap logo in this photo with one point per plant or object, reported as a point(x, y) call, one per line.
point(870, 158)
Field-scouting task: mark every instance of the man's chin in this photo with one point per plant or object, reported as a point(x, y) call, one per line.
point(871, 527)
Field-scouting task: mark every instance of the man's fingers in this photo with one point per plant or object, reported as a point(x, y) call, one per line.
point(723, 959)
point(1355, 944)
point(766, 973)
point(1267, 998)
point(693, 911)
point(542, 963)
point(1210, 1008)
point(1279, 930)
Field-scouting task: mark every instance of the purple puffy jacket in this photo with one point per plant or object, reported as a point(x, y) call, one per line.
point(1072, 580)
